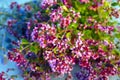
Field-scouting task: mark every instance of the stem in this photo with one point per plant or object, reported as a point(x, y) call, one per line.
point(27, 46)
point(64, 33)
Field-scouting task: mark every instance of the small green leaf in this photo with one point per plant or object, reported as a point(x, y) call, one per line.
point(116, 52)
point(117, 35)
point(14, 76)
point(115, 4)
point(73, 26)
point(68, 35)
point(24, 41)
point(65, 8)
point(87, 34)
point(34, 48)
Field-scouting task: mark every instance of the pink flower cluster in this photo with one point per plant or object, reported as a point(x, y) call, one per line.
point(65, 22)
point(46, 3)
point(44, 34)
point(11, 22)
point(15, 5)
point(17, 57)
point(61, 65)
point(103, 74)
point(56, 14)
point(62, 43)
point(106, 29)
point(62, 46)
point(84, 1)
point(2, 76)
point(81, 50)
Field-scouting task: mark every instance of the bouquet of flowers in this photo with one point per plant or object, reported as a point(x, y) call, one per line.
point(55, 35)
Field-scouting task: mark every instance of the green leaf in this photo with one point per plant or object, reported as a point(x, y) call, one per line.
point(65, 8)
point(95, 48)
point(24, 41)
point(116, 52)
point(14, 76)
point(34, 48)
point(95, 35)
point(117, 35)
point(105, 36)
point(68, 35)
point(76, 5)
point(106, 4)
point(73, 26)
point(87, 34)
point(115, 4)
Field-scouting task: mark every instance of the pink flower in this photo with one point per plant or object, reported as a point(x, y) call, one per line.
point(84, 63)
point(41, 40)
point(95, 56)
point(2, 76)
point(62, 45)
point(55, 16)
point(44, 34)
point(10, 22)
point(18, 7)
point(28, 7)
point(59, 65)
point(65, 22)
point(11, 56)
point(92, 42)
point(13, 4)
point(34, 34)
point(67, 3)
point(46, 3)
point(102, 52)
point(84, 1)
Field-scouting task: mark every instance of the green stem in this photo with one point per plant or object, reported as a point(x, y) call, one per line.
point(64, 33)
point(27, 46)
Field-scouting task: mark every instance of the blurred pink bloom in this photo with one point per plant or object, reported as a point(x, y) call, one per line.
point(84, 1)
point(65, 22)
point(46, 3)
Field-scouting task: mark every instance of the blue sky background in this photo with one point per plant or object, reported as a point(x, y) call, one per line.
point(6, 3)
point(3, 34)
